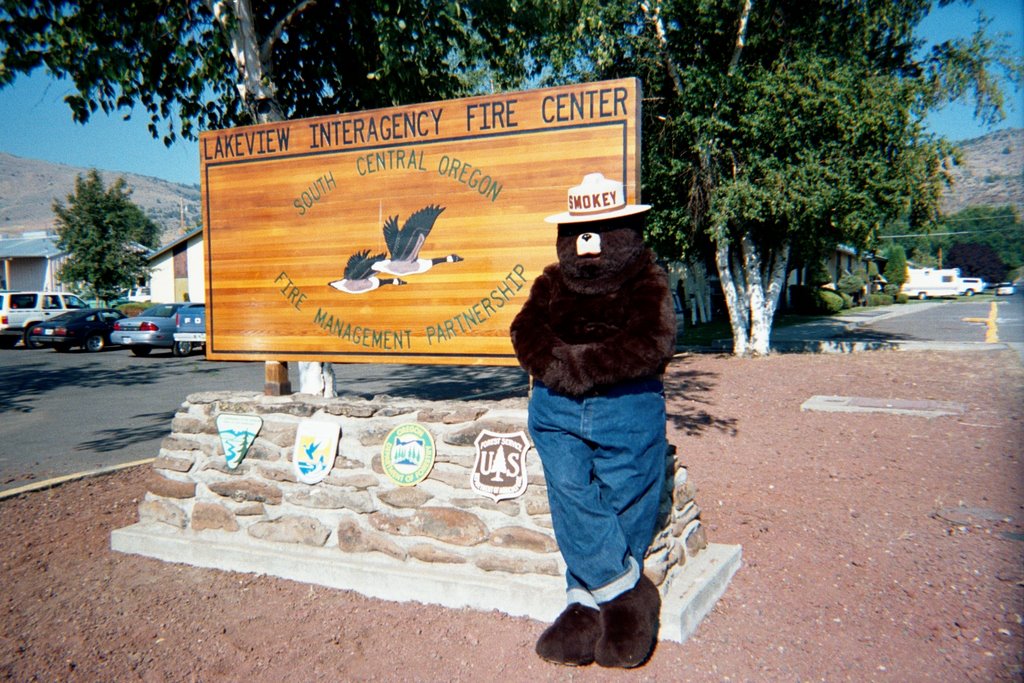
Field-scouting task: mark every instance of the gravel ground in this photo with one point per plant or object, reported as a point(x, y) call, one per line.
point(876, 547)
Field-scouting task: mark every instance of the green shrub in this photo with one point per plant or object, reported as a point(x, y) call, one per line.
point(847, 300)
point(902, 298)
point(891, 290)
point(807, 300)
point(851, 283)
point(828, 301)
point(879, 300)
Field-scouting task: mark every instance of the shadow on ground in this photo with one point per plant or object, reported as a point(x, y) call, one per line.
point(688, 408)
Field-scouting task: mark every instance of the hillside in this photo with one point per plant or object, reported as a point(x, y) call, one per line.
point(991, 173)
point(29, 187)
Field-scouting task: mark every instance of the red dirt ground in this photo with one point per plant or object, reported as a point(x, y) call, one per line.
point(875, 547)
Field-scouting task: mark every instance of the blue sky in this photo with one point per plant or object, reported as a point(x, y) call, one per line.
point(35, 123)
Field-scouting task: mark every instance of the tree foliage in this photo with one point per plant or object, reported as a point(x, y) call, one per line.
point(977, 260)
point(998, 227)
point(782, 128)
point(105, 235)
point(207, 64)
point(895, 266)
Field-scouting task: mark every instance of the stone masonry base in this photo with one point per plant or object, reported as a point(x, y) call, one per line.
point(689, 593)
point(437, 542)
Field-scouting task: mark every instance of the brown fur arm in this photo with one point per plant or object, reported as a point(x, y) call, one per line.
point(641, 347)
point(533, 338)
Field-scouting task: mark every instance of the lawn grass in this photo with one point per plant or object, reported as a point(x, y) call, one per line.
point(719, 330)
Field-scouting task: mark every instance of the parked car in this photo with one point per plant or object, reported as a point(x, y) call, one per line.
point(1005, 289)
point(89, 328)
point(153, 328)
point(972, 285)
point(19, 311)
point(133, 295)
point(190, 333)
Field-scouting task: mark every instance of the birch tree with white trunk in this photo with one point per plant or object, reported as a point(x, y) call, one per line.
point(775, 127)
point(256, 88)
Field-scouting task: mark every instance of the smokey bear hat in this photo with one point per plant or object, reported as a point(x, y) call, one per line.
point(596, 199)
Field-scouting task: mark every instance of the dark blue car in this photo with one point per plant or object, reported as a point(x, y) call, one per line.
point(89, 328)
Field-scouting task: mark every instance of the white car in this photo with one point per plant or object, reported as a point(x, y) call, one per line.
point(972, 285)
point(20, 311)
point(1005, 289)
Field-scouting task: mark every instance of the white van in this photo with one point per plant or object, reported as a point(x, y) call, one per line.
point(19, 311)
point(925, 282)
point(972, 285)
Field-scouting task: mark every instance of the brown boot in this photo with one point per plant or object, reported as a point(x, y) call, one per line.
point(629, 626)
point(571, 639)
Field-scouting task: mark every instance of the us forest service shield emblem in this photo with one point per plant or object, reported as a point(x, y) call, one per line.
point(500, 469)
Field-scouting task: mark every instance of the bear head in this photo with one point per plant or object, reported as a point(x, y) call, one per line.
point(596, 257)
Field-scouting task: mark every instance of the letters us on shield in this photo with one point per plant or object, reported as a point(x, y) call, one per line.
point(500, 468)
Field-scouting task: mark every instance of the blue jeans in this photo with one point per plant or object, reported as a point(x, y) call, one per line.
point(604, 462)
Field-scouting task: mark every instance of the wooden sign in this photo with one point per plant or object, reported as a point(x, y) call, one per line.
point(404, 235)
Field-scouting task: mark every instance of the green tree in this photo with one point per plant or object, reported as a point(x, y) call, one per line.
point(781, 128)
point(998, 227)
point(896, 266)
point(977, 260)
point(105, 235)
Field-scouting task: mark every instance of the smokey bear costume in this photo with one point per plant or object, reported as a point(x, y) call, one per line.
point(595, 335)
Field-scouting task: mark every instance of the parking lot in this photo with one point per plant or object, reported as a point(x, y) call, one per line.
point(73, 412)
point(68, 412)
point(77, 411)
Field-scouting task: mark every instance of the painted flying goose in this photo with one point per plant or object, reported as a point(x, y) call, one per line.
point(360, 276)
point(404, 244)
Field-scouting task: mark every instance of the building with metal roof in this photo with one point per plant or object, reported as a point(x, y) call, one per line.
point(30, 261)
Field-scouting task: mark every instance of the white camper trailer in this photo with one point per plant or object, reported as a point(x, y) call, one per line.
point(925, 282)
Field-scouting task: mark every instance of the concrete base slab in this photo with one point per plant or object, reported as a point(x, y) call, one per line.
point(895, 406)
point(693, 589)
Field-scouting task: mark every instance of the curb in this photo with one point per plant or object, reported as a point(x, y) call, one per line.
point(57, 481)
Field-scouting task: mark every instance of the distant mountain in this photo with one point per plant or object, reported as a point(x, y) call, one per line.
point(991, 172)
point(29, 187)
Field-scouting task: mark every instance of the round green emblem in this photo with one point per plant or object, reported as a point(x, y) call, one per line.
point(408, 454)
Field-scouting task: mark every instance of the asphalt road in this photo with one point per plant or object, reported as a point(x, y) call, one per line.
point(64, 413)
point(964, 320)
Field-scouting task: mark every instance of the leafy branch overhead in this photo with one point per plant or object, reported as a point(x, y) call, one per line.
point(773, 129)
point(208, 64)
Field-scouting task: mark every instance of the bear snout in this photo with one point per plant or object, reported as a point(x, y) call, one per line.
point(588, 244)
